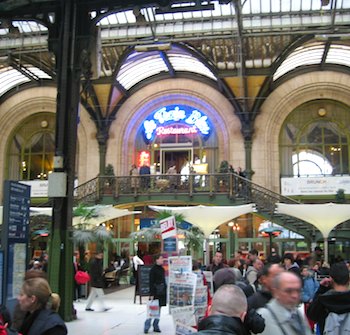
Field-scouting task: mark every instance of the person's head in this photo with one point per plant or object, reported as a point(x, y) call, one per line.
point(268, 274)
point(318, 250)
point(35, 274)
point(217, 259)
point(305, 272)
point(339, 273)
point(223, 276)
point(222, 302)
point(286, 289)
point(258, 264)
point(99, 255)
point(288, 259)
point(253, 255)
point(158, 259)
point(36, 294)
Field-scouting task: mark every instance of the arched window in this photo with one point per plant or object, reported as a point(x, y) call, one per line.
point(315, 140)
point(31, 148)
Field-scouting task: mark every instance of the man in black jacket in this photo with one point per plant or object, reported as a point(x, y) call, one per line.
point(332, 298)
point(226, 317)
point(261, 297)
point(97, 282)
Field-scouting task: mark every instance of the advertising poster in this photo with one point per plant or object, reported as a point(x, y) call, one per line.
point(180, 264)
point(182, 288)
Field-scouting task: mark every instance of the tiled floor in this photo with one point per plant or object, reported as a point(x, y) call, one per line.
point(124, 317)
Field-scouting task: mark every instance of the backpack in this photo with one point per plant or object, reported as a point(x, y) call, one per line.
point(337, 324)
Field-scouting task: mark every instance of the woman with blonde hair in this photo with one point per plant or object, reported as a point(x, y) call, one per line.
point(41, 305)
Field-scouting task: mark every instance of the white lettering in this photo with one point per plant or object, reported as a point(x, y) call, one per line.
point(176, 131)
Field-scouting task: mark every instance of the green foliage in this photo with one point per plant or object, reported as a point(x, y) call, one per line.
point(340, 196)
point(193, 236)
point(84, 232)
point(109, 170)
point(224, 167)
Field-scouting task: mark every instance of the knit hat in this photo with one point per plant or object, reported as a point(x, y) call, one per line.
point(224, 276)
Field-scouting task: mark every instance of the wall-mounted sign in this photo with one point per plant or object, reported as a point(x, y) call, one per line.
point(314, 185)
point(176, 120)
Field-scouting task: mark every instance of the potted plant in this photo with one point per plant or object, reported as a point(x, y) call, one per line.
point(109, 180)
point(224, 168)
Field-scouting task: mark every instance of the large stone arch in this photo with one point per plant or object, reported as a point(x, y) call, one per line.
point(28, 102)
point(170, 91)
point(282, 101)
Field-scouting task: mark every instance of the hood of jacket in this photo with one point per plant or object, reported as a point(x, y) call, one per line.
point(337, 302)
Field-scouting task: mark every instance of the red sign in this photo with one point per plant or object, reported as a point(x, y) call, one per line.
point(168, 227)
point(144, 158)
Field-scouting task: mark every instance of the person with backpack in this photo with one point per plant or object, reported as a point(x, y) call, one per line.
point(331, 305)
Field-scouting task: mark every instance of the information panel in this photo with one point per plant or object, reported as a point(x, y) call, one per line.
point(15, 237)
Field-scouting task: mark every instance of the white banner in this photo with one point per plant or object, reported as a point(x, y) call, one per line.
point(38, 188)
point(168, 227)
point(314, 185)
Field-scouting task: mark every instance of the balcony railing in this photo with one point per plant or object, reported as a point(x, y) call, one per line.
point(230, 184)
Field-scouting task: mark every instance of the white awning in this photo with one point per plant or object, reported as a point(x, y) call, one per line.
point(207, 218)
point(325, 217)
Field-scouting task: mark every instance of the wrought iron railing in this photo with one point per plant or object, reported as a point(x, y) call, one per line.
point(233, 185)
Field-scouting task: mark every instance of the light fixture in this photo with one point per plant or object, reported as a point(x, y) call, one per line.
point(322, 112)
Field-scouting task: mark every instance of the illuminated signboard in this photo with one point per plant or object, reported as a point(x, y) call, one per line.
point(144, 158)
point(176, 120)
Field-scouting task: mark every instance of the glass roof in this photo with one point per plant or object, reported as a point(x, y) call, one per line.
point(141, 65)
point(312, 54)
point(262, 22)
point(11, 77)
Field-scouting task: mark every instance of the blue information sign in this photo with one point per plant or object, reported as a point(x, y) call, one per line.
point(14, 237)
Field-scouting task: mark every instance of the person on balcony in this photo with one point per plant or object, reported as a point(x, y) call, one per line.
point(135, 181)
point(145, 172)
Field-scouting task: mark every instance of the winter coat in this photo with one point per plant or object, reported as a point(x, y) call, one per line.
point(277, 322)
point(96, 273)
point(310, 286)
point(158, 284)
point(221, 324)
point(42, 321)
point(327, 301)
point(259, 299)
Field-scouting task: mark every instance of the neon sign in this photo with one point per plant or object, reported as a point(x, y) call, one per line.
point(144, 158)
point(176, 120)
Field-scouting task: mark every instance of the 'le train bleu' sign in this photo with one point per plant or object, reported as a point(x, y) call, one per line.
point(176, 120)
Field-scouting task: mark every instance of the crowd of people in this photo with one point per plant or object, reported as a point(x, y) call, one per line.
point(280, 296)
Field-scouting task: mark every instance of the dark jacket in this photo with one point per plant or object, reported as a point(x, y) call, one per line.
point(259, 299)
point(157, 284)
point(43, 322)
point(221, 324)
point(96, 273)
point(327, 301)
point(213, 267)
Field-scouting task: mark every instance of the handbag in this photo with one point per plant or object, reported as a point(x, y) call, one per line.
point(82, 277)
point(153, 310)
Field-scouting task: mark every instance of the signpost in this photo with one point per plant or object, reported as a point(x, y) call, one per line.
point(14, 239)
